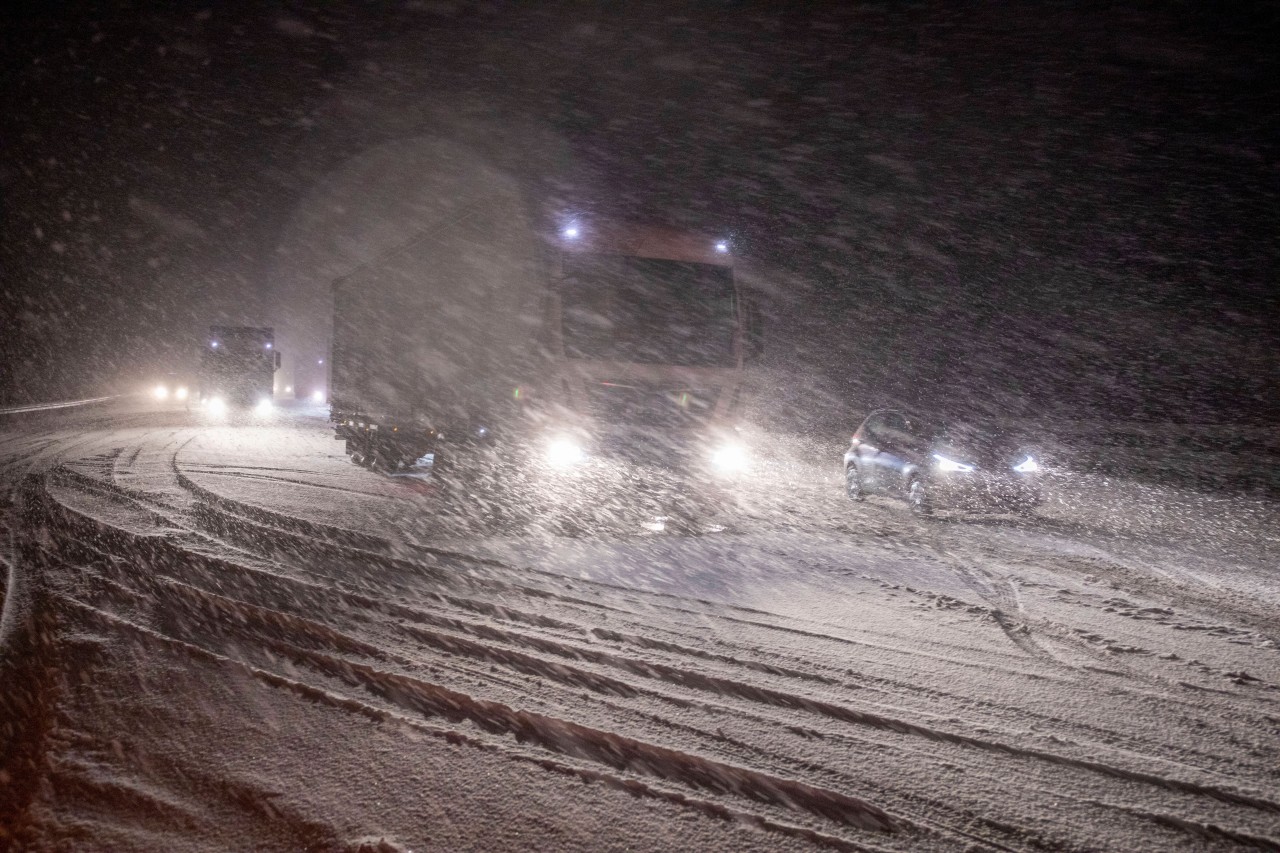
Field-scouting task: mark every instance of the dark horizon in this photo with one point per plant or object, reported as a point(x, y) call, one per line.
point(1057, 207)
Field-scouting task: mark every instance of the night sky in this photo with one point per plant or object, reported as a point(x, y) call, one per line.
point(1059, 208)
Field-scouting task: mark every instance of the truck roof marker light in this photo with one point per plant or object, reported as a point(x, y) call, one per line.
point(213, 344)
point(571, 232)
point(267, 345)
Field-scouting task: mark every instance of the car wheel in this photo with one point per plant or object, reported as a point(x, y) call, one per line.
point(853, 483)
point(918, 497)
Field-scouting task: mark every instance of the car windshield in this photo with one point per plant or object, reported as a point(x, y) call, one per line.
point(990, 444)
point(648, 310)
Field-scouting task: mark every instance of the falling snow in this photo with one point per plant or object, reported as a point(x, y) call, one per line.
point(457, 628)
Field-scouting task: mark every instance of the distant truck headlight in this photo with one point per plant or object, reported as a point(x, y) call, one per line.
point(1027, 466)
point(942, 463)
point(565, 453)
point(161, 392)
point(181, 393)
point(730, 459)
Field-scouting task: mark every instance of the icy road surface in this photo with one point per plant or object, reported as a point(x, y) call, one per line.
point(228, 637)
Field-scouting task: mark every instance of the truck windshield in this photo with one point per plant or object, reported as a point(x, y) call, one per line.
point(648, 310)
point(236, 354)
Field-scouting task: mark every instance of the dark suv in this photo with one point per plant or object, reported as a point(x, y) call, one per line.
point(934, 465)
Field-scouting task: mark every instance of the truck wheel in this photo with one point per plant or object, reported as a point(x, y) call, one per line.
point(353, 449)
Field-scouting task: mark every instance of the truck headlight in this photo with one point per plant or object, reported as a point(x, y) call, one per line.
point(942, 463)
point(1027, 466)
point(216, 406)
point(263, 407)
point(181, 393)
point(161, 392)
point(730, 458)
point(565, 453)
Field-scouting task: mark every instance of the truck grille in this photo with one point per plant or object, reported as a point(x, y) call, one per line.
point(650, 406)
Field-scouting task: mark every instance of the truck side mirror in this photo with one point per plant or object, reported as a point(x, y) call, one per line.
point(277, 359)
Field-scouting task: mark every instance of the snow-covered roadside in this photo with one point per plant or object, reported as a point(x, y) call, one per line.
point(56, 405)
point(234, 676)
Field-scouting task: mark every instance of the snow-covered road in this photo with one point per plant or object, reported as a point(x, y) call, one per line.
point(228, 637)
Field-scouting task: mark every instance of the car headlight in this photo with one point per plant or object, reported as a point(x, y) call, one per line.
point(942, 463)
point(161, 392)
point(730, 458)
point(565, 453)
point(1027, 466)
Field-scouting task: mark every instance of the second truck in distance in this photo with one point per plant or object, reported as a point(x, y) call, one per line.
point(237, 367)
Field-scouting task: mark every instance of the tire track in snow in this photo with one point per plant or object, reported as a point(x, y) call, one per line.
point(898, 725)
point(791, 702)
point(234, 620)
point(946, 831)
point(29, 656)
point(1002, 595)
point(1021, 633)
point(1000, 599)
point(284, 538)
point(1105, 736)
point(269, 534)
point(677, 608)
point(613, 752)
point(607, 747)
